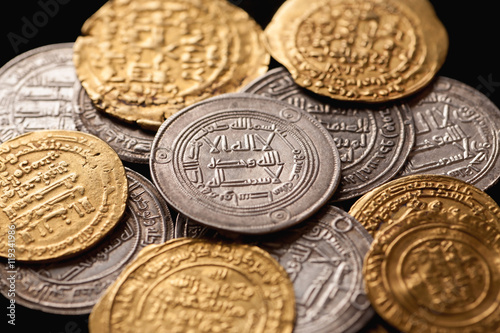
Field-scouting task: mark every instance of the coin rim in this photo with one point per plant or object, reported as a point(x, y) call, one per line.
point(422, 10)
point(119, 209)
point(218, 223)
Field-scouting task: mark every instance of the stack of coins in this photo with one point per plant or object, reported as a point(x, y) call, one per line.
point(180, 167)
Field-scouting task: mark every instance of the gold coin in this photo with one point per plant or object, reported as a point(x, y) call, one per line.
point(395, 200)
point(62, 192)
point(366, 51)
point(143, 60)
point(436, 271)
point(197, 285)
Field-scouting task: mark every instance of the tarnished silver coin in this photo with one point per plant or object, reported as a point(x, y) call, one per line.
point(457, 134)
point(245, 163)
point(73, 286)
point(36, 91)
point(373, 140)
point(324, 259)
point(131, 143)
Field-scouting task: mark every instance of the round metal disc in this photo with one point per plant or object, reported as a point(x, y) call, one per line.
point(245, 163)
point(366, 51)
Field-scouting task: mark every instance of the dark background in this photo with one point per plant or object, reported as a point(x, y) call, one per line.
point(473, 58)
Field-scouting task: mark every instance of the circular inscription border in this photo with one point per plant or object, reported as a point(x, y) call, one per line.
point(395, 302)
point(378, 64)
point(317, 155)
point(63, 192)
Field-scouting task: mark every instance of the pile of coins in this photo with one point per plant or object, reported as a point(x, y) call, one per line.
point(340, 190)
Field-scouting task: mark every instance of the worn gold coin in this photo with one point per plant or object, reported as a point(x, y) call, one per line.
point(193, 285)
point(143, 60)
point(395, 200)
point(62, 192)
point(436, 271)
point(366, 51)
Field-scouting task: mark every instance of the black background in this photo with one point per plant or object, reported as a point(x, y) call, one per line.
point(473, 58)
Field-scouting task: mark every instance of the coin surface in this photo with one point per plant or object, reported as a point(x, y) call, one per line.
point(143, 60)
point(130, 142)
point(368, 51)
point(324, 258)
point(394, 201)
point(199, 285)
point(36, 89)
point(373, 140)
point(436, 272)
point(63, 191)
point(456, 134)
point(73, 286)
point(256, 164)
point(99, 318)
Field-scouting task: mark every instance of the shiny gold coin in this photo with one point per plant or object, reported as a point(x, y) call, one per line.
point(143, 60)
point(198, 286)
point(366, 51)
point(436, 271)
point(62, 192)
point(395, 200)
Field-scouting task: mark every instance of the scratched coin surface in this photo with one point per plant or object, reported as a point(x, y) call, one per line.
point(199, 285)
point(373, 141)
point(63, 191)
point(436, 271)
point(324, 258)
point(254, 163)
point(457, 134)
point(141, 61)
point(394, 201)
point(36, 90)
point(130, 142)
point(74, 285)
point(367, 51)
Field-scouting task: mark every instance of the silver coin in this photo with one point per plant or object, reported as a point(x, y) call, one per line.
point(457, 134)
point(36, 91)
point(73, 286)
point(244, 163)
point(373, 140)
point(324, 259)
point(132, 144)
